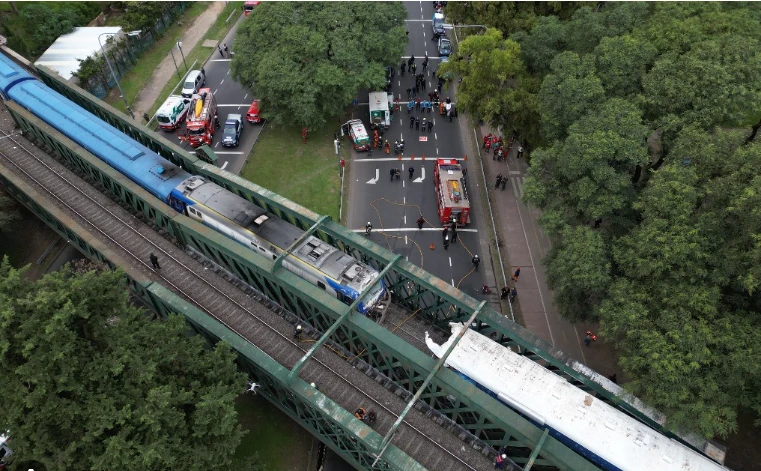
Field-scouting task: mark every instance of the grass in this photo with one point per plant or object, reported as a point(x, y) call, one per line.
point(282, 444)
point(304, 173)
point(199, 53)
point(139, 75)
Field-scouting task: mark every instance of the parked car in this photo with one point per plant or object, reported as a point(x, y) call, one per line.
point(252, 116)
point(193, 82)
point(445, 47)
point(233, 128)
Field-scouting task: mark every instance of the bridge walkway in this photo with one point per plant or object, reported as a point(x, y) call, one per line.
point(420, 437)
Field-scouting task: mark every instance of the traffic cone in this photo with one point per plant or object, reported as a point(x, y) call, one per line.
point(432, 246)
point(465, 158)
point(400, 157)
point(423, 157)
point(412, 157)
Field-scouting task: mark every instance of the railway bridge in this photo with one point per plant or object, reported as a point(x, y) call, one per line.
point(428, 416)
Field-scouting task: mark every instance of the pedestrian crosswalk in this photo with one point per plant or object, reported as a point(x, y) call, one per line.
point(517, 184)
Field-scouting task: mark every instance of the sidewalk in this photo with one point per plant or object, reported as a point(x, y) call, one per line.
point(525, 245)
point(166, 71)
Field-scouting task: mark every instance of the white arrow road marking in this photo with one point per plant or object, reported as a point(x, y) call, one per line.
point(372, 181)
point(421, 177)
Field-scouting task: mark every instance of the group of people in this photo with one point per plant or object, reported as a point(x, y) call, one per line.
point(501, 182)
point(415, 123)
point(450, 234)
point(492, 141)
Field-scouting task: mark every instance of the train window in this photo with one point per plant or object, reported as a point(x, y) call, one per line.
point(320, 284)
point(261, 248)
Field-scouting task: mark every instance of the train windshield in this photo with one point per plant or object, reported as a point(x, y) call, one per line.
point(373, 295)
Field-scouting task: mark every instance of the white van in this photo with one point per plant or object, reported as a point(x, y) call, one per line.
point(193, 82)
point(173, 112)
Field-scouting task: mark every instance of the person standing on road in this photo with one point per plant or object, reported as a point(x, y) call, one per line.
point(430, 124)
point(417, 123)
point(414, 67)
point(410, 61)
point(155, 261)
point(412, 171)
point(221, 52)
point(520, 151)
point(446, 242)
point(391, 173)
point(454, 232)
point(417, 104)
point(414, 90)
point(505, 292)
point(504, 182)
point(412, 122)
point(424, 124)
point(589, 338)
point(499, 180)
point(425, 62)
point(513, 294)
point(402, 67)
point(475, 261)
point(409, 93)
point(227, 51)
point(420, 221)
point(445, 233)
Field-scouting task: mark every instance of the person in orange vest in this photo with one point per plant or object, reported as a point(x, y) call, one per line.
point(387, 147)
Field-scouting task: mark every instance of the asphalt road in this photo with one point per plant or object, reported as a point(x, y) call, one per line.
point(393, 206)
point(231, 97)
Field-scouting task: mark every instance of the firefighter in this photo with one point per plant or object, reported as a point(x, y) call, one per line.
point(387, 147)
point(216, 121)
point(368, 229)
point(475, 261)
point(412, 171)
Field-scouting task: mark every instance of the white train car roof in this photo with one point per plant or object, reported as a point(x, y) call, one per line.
point(547, 398)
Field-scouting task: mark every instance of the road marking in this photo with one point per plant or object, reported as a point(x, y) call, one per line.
point(229, 153)
point(450, 262)
point(225, 164)
point(411, 21)
point(437, 151)
point(216, 145)
point(215, 91)
point(435, 136)
point(453, 282)
point(514, 172)
point(393, 159)
point(228, 72)
point(223, 81)
point(405, 239)
point(422, 176)
point(372, 181)
point(415, 229)
point(245, 96)
point(233, 104)
point(227, 60)
point(405, 219)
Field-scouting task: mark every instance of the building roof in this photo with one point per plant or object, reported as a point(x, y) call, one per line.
point(62, 55)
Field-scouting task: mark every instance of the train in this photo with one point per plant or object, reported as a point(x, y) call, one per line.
point(313, 260)
point(607, 437)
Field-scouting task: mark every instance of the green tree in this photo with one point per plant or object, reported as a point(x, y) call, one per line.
point(579, 272)
point(571, 91)
point(309, 60)
point(589, 175)
point(717, 81)
point(89, 383)
point(621, 63)
point(486, 63)
point(546, 40)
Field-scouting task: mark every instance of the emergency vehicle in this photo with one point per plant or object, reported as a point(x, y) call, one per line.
point(451, 192)
point(249, 6)
point(171, 114)
point(381, 104)
point(358, 134)
point(201, 118)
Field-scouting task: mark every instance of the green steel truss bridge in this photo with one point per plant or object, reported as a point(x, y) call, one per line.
point(428, 416)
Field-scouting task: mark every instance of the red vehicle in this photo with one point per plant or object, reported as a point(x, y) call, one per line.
point(249, 6)
point(451, 192)
point(252, 116)
point(201, 118)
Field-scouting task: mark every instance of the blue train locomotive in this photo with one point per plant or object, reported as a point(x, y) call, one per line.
point(206, 202)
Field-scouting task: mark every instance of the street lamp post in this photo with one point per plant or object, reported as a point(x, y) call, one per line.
point(124, 97)
point(175, 64)
point(179, 46)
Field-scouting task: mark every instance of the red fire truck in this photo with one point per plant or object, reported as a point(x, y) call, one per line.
point(201, 118)
point(451, 192)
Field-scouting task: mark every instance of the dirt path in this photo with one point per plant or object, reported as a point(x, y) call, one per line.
point(165, 71)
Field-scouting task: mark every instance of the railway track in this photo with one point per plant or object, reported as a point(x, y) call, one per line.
point(418, 436)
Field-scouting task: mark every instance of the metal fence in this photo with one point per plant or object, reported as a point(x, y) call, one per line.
point(124, 55)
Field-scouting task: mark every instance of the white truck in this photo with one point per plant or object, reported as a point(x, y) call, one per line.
point(173, 112)
point(381, 106)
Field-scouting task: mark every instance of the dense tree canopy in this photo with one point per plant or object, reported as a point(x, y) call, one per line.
point(89, 383)
point(485, 63)
point(308, 60)
point(647, 114)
